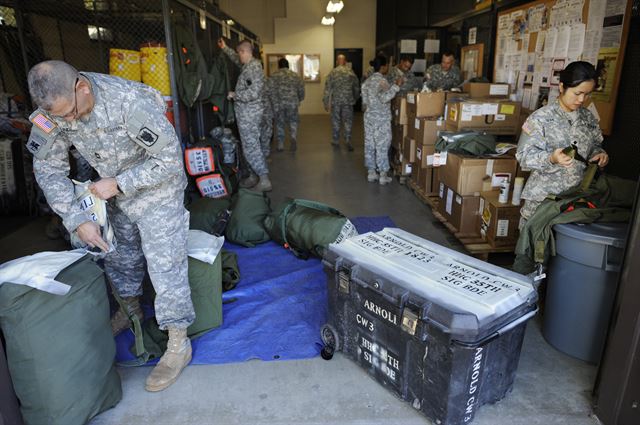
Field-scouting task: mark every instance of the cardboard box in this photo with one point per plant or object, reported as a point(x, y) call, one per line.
point(399, 109)
point(461, 211)
point(498, 222)
point(429, 181)
point(425, 130)
point(422, 155)
point(409, 149)
point(416, 173)
point(398, 133)
point(500, 117)
point(423, 104)
point(469, 175)
point(487, 90)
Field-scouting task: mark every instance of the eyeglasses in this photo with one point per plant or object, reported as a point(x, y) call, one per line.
point(74, 112)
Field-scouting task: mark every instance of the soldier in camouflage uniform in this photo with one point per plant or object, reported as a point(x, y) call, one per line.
point(402, 71)
point(120, 128)
point(443, 76)
point(287, 92)
point(552, 128)
point(249, 107)
point(341, 90)
point(376, 97)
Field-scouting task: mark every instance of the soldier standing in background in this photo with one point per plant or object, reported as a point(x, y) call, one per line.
point(120, 128)
point(445, 75)
point(341, 90)
point(266, 127)
point(376, 96)
point(249, 109)
point(287, 91)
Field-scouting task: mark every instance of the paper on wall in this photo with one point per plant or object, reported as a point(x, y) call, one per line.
point(540, 42)
point(550, 42)
point(431, 46)
point(576, 42)
point(473, 32)
point(409, 46)
point(562, 42)
point(419, 65)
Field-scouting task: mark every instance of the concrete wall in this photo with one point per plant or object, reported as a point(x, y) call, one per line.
point(300, 31)
point(355, 27)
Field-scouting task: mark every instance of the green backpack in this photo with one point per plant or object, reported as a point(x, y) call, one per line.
point(305, 227)
point(60, 348)
point(248, 211)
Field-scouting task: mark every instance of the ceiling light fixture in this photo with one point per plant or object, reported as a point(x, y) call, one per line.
point(334, 6)
point(328, 20)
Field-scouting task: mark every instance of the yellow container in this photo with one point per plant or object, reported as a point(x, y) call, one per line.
point(155, 68)
point(125, 63)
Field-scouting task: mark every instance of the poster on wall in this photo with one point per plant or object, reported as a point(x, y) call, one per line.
point(473, 32)
point(606, 68)
point(409, 46)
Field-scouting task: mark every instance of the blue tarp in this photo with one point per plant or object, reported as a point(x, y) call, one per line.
point(276, 310)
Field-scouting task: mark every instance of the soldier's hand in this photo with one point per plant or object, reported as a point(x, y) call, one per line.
point(602, 158)
point(89, 233)
point(104, 188)
point(399, 81)
point(560, 158)
point(327, 108)
point(231, 95)
point(221, 43)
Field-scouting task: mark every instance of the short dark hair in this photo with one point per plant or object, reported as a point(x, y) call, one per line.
point(378, 62)
point(283, 63)
point(406, 58)
point(578, 72)
point(448, 53)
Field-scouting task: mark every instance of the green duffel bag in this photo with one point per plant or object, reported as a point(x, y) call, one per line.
point(204, 213)
point(248, 211)
point(205, 282)
point(307, 227)
point(230, 270)
point(60, 348)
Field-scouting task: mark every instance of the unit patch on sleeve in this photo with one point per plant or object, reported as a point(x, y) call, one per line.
point(146, 136)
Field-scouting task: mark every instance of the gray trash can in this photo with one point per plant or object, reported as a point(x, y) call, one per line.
point(581, 287)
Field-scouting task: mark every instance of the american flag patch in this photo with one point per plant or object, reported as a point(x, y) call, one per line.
point(43, 123)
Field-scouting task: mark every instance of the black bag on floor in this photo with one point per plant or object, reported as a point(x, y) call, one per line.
point(60, 348)
point(307, 227)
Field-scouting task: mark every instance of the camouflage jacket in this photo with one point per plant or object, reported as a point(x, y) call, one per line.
point(105, 140)
point(437, 79)
point(546, 130)
point(250, 82)
point(287, 88)
point(376, 96)
point(341, 87)
point(410, 81)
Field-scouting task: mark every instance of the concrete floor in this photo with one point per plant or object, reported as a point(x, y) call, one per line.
point(550, 387)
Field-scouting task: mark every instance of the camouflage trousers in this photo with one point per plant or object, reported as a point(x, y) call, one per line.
point(287, 115)
point(249, 122)
point(266, 134)
point(341, 114)
point(377, 141)
point(526, 212)
point(160, 236)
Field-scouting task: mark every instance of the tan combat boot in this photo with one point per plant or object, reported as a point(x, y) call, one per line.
point(120, 320)
point(177, 356)
point(264, 185)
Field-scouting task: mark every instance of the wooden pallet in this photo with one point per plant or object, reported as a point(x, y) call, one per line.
point(430, 200)
point(473, 243)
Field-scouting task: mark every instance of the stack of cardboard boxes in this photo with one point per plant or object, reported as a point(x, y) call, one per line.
point(425, 119)
point(469, 186)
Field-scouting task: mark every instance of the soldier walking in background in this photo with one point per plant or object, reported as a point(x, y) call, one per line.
point(120, 128)
point(341, 90)
point(249, 109)
point(286, 91)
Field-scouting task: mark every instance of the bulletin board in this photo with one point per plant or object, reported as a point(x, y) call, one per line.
point(535, 41)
